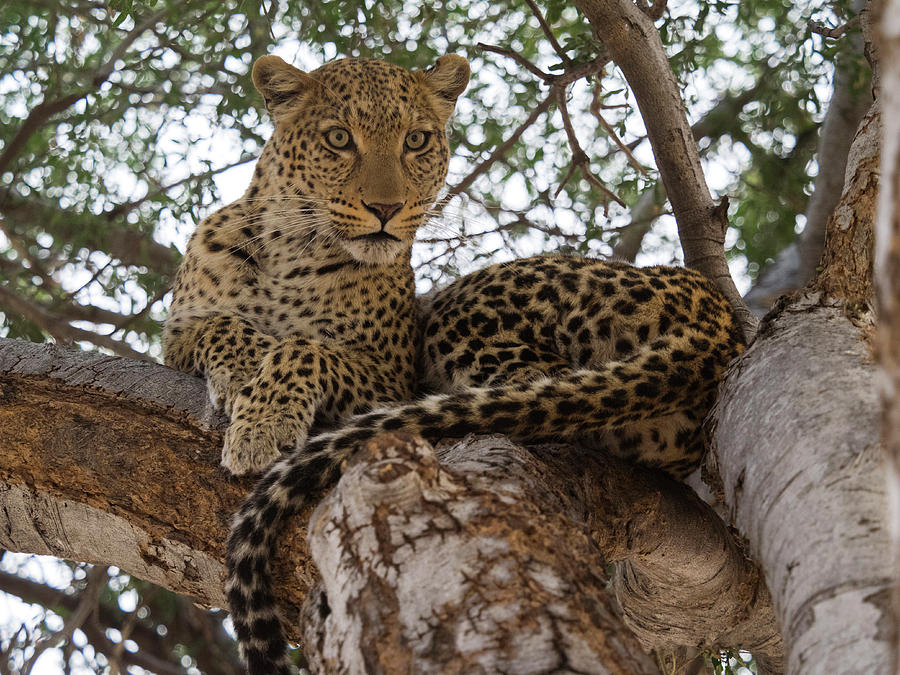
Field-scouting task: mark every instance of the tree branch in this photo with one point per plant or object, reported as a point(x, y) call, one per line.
point(497, 153)
point(808, 491)
point(154, 649)
point(87, 603)
point(522, 548)
point(633, 42)
point(114, 461)
point(846, 271)
point(580, 159)
point(798, 264)
point(61, 331)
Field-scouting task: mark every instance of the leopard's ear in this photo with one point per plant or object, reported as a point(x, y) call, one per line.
point(447, 79)
point(280, 83)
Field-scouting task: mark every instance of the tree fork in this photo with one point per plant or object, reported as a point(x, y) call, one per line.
point(493, 560)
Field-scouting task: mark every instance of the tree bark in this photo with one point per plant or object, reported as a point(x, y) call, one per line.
point(801, 471)
point(887, 279)
point(113, 461)
point(847, 261)
point(796, 451)
point(493, 561)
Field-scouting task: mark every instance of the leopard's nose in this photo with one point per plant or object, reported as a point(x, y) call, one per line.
point(384, 211)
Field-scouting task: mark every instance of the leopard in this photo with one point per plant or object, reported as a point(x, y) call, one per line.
point(297, 304)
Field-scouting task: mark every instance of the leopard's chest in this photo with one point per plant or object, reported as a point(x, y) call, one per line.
point(335, 305)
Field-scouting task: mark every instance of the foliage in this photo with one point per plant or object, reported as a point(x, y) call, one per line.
point(116, 120)
point(130, 623)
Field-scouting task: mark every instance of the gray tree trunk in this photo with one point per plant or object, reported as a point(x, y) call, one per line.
point(797, 453)
point(796, 265)
point(797, 448)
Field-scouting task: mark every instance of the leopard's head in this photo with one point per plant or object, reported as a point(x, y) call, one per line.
point(364, 141)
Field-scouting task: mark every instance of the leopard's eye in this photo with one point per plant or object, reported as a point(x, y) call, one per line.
point(338, 138)
point(416, 140)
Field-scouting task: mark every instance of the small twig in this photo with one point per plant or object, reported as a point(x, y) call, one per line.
point(20, 637)
point(498, 153)
point(126, 207)
point(558, 85)
point(574, 72)
point(96, 275)
point(836, 32)
point(96, 580)
point(580, 160)
point(21, 249)
point(548, 32)
point(518, 58)
point(96, 635)
point(595, 111)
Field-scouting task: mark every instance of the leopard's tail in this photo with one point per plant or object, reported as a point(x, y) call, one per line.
point(675, 373)
point(284, 490)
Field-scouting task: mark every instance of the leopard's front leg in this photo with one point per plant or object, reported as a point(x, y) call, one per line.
point(296, 381)
point(224, 349)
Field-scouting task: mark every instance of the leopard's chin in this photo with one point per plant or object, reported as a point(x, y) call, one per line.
point(375, 249)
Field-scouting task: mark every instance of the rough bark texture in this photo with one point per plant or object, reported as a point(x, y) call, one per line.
point(802, 472)
point(887, 276)
point(847, 262)
point(113, 461)
point(634, 44)
point(457, 566)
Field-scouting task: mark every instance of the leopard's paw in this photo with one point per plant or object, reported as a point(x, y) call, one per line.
point(252, 446)
point(217, 387)
point(224, 390)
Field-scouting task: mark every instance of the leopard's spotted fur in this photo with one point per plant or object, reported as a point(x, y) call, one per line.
point(291, 323)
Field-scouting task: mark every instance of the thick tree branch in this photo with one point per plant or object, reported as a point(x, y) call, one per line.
point(850, 100)
point(634, 45)
point(847, 261)
point(522, 547)
point(808, 490)
point(114, 461)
